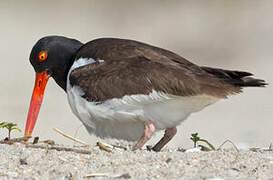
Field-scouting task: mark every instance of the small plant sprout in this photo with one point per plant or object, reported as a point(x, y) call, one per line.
point(9, 126)
point(195, 138)
point(270, 147)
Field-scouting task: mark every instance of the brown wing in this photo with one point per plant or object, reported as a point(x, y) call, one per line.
point(113, 49)
point(139, 75)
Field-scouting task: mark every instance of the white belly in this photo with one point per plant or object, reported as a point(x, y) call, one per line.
point(123, 118)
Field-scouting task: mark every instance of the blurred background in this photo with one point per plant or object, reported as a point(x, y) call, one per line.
point(219, 33)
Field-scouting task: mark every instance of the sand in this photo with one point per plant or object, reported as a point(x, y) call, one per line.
point(19, 162)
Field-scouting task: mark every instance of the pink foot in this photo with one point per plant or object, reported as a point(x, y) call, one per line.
point(149, 130)
point(169, 134)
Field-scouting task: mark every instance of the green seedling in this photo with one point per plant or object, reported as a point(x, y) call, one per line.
point(9, 126)
point(195, 138)
point(270, 147)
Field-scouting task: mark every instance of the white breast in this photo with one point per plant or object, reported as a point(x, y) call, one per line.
point(122, 118)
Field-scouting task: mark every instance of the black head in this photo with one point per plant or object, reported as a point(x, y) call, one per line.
point(51, 56)
point(54, 55)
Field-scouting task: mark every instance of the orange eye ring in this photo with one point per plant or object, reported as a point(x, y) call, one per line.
point(42, 56)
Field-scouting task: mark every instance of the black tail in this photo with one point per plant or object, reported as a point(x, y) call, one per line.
point(237, 78)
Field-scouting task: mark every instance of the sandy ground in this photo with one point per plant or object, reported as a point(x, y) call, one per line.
point(19, 162)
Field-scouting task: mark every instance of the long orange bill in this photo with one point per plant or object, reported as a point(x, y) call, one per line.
point(36, 101)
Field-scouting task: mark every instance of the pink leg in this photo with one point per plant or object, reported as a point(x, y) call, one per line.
point(169, 134)
point(149, 130)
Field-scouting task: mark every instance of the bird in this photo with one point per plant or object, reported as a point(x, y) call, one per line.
point(126, 89)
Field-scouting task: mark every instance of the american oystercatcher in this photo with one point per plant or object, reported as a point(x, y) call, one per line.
point(126, 89)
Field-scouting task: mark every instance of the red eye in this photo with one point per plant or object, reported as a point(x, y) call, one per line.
point(42, 56)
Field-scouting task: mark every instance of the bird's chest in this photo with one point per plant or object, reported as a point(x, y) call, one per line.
point(109, 119)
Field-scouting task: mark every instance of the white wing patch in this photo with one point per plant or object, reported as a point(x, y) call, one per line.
point(78, 63)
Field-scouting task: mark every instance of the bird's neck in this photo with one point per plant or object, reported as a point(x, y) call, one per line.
point(68, 55)
point(60, 76)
